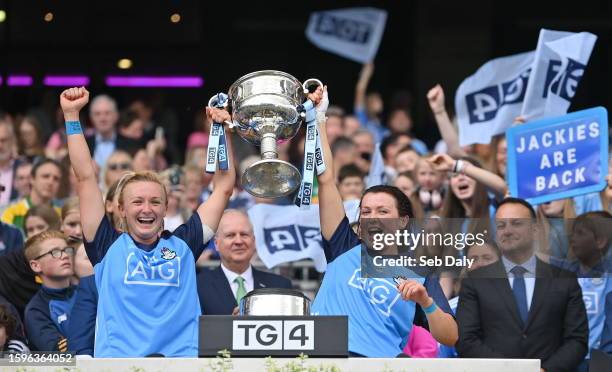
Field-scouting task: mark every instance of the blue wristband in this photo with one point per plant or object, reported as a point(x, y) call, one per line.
point(431, 308)
point(73, 127)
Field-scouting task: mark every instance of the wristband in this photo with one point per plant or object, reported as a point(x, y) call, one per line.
point(459, 166)
point(73, 127)
point(431, 308)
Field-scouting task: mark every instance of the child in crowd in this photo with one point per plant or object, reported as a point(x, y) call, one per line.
point(430, 187)
point(41, 218)
point(9, 339)
point(350, 182)
point(48, 313)
point(589, 242)
point(406, 159)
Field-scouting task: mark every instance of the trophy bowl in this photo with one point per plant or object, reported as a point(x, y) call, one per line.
point(275, 301)
point(264, 107)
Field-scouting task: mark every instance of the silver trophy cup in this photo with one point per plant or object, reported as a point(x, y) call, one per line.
point(264, 107)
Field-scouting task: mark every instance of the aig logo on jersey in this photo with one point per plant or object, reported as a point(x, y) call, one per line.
point(152, 270)
point(380, 292)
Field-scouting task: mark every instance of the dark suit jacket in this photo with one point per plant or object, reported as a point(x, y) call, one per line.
point(121, 143)
point(557, 329)
point(606, 334)
point(216, 296)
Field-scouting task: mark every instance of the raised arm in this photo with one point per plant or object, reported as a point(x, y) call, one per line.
point(92, 206)
point(223, 181)
point(445, 163)
point(362, 85)
point(331, 209)
point(435, 97)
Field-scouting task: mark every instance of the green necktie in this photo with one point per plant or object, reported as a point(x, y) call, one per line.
point(241, 292)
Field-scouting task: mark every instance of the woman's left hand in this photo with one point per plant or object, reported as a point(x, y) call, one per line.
point(415, 291)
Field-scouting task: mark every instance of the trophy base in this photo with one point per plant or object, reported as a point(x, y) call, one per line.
point(271, 178)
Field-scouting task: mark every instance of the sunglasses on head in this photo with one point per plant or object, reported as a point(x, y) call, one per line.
point(120, 166)
point(57, 252)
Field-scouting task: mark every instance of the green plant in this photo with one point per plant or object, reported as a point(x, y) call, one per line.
point(223, 362)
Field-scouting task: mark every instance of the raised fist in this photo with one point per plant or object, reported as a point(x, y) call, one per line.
point(435, 96)
point(74, 99)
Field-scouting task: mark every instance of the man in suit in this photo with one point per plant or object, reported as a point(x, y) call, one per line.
point(105, 140)
point(521, 307)
point(220, 290)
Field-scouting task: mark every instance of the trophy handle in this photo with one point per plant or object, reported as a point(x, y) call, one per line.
point(311, 83)
point(221, 100)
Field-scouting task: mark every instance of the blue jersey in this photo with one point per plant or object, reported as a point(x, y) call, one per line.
point(596, 285)
point(379, 319)
point(148, 301)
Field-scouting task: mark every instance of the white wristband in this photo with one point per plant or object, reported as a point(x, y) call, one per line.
point(321, 118)
point(207, 232)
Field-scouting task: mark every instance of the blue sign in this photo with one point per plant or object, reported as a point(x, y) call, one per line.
point(560, 157)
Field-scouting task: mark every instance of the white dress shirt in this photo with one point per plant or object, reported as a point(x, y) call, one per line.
point(249, 282)
point(529, 276)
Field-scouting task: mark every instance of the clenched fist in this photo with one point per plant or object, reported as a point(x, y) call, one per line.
point(72, 101)
point(435, 97)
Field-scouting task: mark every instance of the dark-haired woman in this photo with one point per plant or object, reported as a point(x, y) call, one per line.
point(380, 311)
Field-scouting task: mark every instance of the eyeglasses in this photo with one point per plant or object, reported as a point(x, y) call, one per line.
point(120, 166)
point(57, 252)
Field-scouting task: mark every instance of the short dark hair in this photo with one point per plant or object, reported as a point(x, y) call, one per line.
point(523, 202)
point(404, 205)
point(342, 143)
point(126, 118)
point(40, 161)
point(349, 170)
point(389, 140)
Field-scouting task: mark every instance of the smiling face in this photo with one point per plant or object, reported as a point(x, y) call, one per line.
point(143, 207)
point(515, 229)
point(462, 186)
point(235, 241)
point(379, 214)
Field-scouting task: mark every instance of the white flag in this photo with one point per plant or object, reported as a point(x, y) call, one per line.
point(559, 64)
point(284, 233)
point(353, 33)
point(377, 169)
point(488, 101)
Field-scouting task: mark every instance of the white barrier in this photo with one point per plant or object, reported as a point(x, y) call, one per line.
point(263, 364)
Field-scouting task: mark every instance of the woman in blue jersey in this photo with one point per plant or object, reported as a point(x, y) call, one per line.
point(145, 276)
point(380, 311)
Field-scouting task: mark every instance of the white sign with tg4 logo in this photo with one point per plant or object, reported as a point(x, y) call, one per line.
point(273, 335)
